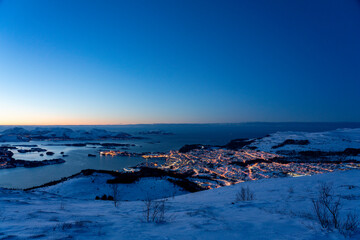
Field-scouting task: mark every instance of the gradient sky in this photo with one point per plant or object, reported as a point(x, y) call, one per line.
point(116, 62)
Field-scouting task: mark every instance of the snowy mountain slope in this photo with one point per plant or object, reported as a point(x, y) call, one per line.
point(88, 187)
point(337, 140)
point(282, 209)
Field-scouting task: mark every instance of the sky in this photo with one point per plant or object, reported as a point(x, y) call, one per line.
point(189, 61)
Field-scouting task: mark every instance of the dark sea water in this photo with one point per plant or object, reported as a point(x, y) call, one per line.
point(77, 160)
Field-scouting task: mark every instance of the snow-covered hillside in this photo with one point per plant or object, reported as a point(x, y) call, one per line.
point(282, 209)
point(279, 208)
point(88, 187)
point(337, 140)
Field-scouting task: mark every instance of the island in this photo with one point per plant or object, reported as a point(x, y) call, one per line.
point(7, 161)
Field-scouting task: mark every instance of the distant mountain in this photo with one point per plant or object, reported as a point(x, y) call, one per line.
point(18, 134)
point(156, 132)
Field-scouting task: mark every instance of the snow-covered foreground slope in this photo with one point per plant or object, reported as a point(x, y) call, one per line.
point(282, 209)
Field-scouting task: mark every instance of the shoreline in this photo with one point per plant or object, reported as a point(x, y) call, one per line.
point(211, 166)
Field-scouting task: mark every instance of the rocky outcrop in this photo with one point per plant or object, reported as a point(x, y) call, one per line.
point(189, 147)
point(236, 144)
point(292, 142)
point(35, 149)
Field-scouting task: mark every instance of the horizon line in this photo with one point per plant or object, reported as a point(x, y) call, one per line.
point(184, 123)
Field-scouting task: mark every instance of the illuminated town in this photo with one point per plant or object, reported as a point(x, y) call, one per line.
point(213, 168)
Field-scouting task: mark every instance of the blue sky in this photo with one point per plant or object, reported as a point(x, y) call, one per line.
point(114, 62)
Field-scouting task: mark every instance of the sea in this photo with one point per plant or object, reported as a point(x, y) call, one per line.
point(77, 157)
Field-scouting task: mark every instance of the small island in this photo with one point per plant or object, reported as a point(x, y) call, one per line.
point(7, 161)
